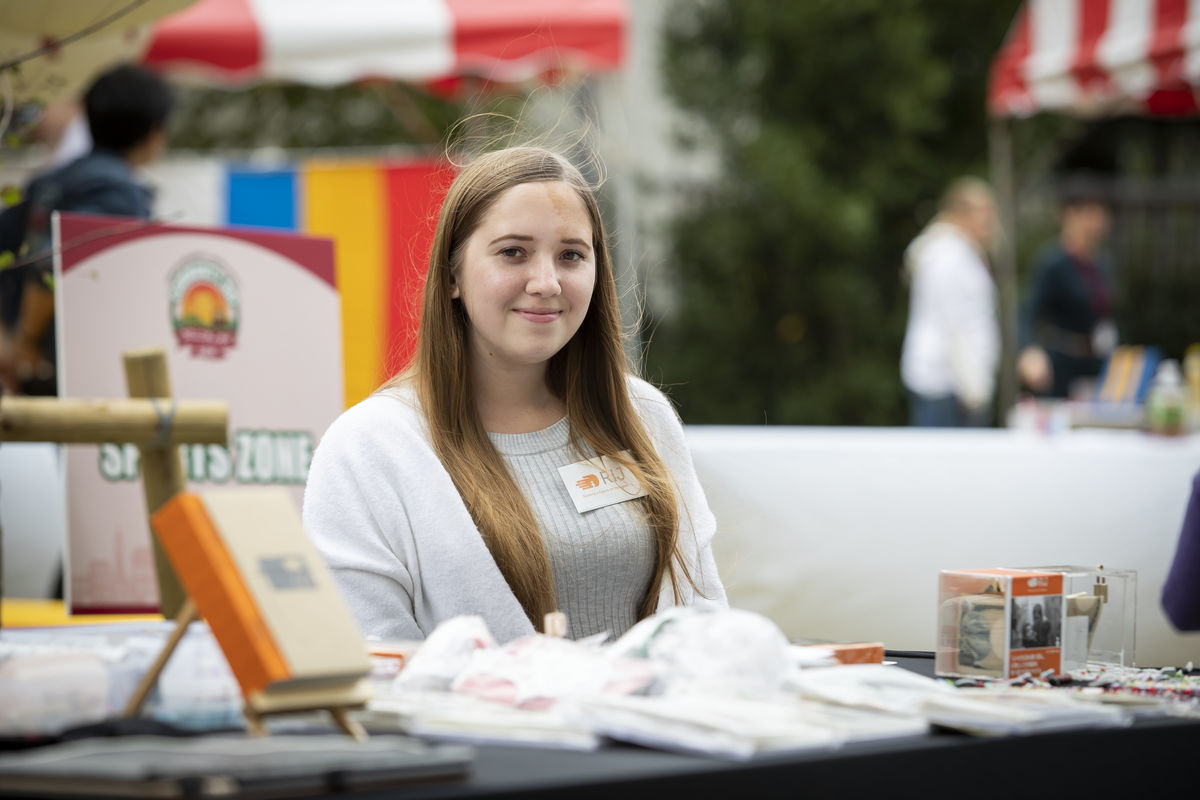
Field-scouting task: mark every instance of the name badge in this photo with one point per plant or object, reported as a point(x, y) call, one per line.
point(597, 482)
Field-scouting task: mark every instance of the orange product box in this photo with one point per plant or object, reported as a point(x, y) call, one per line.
point(858, 652)
point(849, 652)
point(1000, 623)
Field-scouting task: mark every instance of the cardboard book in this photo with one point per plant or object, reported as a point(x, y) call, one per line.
point(273, 607)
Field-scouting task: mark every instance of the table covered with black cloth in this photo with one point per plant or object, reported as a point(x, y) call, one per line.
point(1151, 758)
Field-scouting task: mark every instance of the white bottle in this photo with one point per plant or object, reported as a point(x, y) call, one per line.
point(1164, 404)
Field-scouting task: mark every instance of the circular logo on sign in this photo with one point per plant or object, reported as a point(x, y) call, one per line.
point(204, 306)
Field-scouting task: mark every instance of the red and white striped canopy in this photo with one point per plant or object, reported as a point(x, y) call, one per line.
point(1092, 57)
point(327, 42)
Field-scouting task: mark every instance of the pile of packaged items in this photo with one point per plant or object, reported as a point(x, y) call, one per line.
point(726, 684)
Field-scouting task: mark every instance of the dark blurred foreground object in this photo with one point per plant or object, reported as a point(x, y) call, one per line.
point(163, 766)
point(1181, 592)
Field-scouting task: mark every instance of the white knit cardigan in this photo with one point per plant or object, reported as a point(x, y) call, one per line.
point(403, 547)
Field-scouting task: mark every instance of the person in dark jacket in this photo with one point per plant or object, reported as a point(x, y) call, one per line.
point(1067, 328)
point(127, 109)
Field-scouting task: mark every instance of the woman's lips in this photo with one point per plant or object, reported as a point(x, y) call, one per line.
point(538, 314)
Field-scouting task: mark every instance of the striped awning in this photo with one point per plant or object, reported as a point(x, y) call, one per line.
point(62, 44)
point(1094, 57)
point(329, 42)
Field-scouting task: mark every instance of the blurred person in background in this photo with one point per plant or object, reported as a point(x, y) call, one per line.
point(952, 343)
point(62, 129)
point(127, 109)
point(1067, 327)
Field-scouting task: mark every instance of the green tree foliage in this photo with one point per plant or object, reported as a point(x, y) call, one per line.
point(380, 114)
point(838, 123)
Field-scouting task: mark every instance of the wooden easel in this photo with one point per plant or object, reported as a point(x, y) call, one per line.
point(162, 478)
point(162, 469)
point(158, 424)
point(337, 701)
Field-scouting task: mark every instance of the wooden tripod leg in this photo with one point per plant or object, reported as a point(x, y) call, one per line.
point(254, 720)
point(349, 726)
point(161, 467)
point(187, 615)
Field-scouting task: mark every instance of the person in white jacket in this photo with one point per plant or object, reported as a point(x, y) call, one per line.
point(516, 467)
point(952, 343)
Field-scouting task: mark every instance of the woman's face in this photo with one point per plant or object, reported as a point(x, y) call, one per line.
point(527, 275)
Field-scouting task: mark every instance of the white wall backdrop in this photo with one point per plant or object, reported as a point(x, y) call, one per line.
point(839, 533)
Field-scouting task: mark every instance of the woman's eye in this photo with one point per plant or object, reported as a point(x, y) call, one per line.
point(572, 255)
point(511, 252)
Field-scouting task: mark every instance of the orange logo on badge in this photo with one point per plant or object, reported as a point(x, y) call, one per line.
point(588, 482)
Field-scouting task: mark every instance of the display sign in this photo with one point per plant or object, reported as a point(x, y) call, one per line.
point(252, 318)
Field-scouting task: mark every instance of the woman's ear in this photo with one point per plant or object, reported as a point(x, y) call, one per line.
point(454, 292)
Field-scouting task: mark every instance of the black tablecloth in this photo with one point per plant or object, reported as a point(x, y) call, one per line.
point(1137, 762)
point(1144, 760)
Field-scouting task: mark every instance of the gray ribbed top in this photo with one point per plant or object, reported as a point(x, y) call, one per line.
point(602, 560)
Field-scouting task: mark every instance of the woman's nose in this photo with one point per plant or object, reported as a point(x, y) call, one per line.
point(543, 277)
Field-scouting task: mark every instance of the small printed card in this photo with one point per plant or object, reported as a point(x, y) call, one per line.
point(597, 482)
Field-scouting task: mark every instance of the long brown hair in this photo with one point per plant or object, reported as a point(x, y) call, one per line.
point(588, 374)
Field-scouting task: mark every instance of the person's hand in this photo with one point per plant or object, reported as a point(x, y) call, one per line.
point(8, 363)
point(20, 362)
point(1034, 369)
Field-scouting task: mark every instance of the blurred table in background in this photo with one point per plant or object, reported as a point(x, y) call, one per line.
point(839, 533)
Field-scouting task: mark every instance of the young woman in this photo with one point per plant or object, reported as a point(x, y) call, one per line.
point(516, 467)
